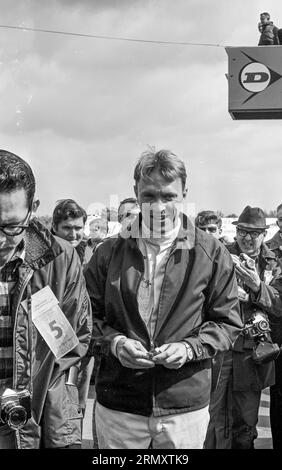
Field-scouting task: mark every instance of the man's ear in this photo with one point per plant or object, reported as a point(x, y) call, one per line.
point(277, 223)
point(53, 228)
point(135, 191)
point(185, 193)
point(35, 205)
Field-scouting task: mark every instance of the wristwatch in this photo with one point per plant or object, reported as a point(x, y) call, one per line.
point(189, 351)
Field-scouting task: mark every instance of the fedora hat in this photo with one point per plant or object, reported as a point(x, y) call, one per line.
point(253, 218)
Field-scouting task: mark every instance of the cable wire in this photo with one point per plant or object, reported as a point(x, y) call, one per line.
point(111, 38)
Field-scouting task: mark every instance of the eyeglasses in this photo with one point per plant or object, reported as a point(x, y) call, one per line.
point(244, 233)
point(12, 230)
point(209, 229)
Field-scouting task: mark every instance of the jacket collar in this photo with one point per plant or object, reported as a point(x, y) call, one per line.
point(265, 252)
point(185, 237)
point(275, 242)
point(41, 246)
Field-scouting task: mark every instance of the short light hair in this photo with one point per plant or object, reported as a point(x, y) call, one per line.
point(166, 162)
point(208, 217)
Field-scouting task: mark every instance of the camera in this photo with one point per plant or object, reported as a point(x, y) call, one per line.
point(15, 408)
point(257, 327)
point(246, 261)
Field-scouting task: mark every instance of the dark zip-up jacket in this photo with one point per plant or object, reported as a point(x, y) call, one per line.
point(56, 417)
point(198, 302)
point(275, 245)
point(269, 35)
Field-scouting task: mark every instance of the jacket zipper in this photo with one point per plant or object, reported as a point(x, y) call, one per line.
point(26, 281)
point(151, 341)
point(172, 250)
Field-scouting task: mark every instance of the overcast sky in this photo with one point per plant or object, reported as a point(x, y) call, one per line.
point(81, 110)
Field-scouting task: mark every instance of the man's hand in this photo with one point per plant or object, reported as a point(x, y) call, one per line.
point(171, 355)
point(132, 354)
point(248, 276)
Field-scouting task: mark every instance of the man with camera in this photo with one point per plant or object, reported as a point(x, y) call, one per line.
point(254, 352)
point(45, 322)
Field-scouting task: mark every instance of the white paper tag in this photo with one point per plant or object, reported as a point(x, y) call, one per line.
point(268, 276)
point(51, 322)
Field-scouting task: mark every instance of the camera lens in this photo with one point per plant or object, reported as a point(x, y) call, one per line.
point(17, 417)
point(263, 325)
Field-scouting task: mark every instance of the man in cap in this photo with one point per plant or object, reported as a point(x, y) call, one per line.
point(257, 269)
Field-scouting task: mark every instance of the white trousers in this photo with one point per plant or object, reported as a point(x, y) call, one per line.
point(119, 430)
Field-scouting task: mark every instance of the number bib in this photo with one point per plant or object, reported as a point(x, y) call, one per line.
point(51, 322)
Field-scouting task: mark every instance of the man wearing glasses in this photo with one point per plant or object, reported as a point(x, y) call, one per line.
point(44, 321)
point(210, 222)
point(164, 301)
point(257, 271)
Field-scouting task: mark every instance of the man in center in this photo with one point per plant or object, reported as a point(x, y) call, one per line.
point(164, 299)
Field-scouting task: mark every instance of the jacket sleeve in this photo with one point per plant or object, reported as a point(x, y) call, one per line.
point(76, 306)
point(95, 275)
point(269, 297)
point(222, 322)
point(276, 37)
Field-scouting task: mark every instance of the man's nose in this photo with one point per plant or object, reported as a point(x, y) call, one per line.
point(158, 205)
point(248, 236)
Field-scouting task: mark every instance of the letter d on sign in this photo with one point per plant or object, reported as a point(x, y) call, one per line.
point(255, 77)
point(252, 77)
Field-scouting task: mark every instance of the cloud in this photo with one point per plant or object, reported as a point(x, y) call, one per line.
point(83, 109)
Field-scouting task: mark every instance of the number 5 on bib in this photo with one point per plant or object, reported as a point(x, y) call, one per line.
point(51, 322)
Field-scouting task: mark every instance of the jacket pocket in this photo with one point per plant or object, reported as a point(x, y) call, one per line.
point(62, 415)
point(73, 407)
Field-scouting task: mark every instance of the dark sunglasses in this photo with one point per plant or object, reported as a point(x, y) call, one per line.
point(244, 233)
point(209, 229)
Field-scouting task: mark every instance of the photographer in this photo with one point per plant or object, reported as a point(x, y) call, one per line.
point(45, 323)
point(256, 268)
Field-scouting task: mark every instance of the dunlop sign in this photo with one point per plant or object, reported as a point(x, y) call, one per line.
point(255, 82)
